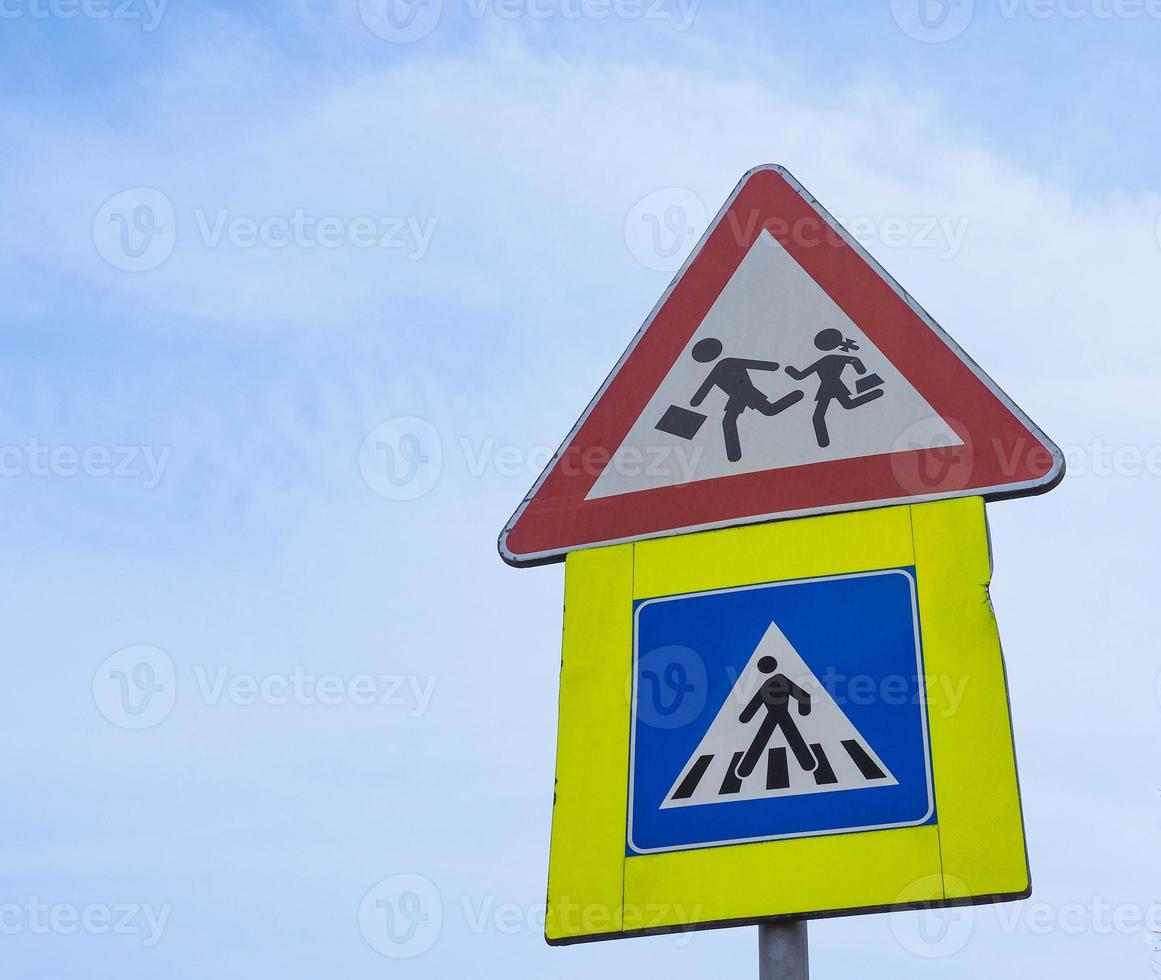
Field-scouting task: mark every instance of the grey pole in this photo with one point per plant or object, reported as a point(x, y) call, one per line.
point(782, 953)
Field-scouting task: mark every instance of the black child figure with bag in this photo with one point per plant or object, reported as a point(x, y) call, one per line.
point(831, 387)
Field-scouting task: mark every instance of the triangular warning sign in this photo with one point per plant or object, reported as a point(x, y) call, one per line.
point(779, 733)
point(783, 373)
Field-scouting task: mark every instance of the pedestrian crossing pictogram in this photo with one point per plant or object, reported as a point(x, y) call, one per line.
point(779, 733)
point(808, 715)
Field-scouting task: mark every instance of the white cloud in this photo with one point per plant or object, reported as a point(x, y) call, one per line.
point(522, 168)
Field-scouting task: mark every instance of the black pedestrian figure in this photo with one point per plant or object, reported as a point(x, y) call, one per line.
point(775, 694)
point(732, 376)
point(831, 386)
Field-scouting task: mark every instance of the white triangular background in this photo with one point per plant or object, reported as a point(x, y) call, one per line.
point(826, 725)
point(770, 309)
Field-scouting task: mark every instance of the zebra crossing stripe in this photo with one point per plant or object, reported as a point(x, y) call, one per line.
point(777, 774)
point(823, 773)
point(778, 770)
point(733, 782)
point(860, 758)
point(689, 784)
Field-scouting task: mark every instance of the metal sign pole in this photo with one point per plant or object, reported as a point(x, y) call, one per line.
point(782, 950)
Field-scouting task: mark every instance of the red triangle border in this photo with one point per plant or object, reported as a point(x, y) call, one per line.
point(1006, 454)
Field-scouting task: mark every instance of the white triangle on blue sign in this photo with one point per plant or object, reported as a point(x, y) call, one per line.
point(777, 750)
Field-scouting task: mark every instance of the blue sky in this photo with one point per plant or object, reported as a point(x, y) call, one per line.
point(476, 184)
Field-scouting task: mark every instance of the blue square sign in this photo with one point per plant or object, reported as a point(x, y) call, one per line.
point(789, 709)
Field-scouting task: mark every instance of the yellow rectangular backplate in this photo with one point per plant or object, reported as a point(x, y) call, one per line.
point(971, 850)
